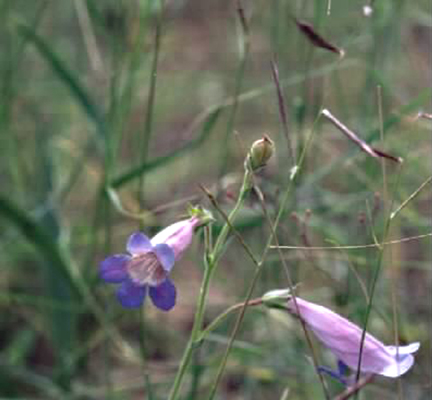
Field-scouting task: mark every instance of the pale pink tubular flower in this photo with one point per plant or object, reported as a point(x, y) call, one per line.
point(146, 267)
point(178, 236)
point(343, 338)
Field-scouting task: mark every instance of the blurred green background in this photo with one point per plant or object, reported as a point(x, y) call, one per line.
point(112, 112)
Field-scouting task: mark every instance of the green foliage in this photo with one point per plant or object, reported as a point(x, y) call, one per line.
point(117, 115)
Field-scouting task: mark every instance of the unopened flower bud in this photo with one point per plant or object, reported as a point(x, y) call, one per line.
point(259, 153)
point(276, 298)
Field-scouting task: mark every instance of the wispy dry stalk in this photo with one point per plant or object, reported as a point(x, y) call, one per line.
point(411, 197)
point(282, 112)
point(355, 246)
point(359, 142)
point(354, 389)
point(242, 18)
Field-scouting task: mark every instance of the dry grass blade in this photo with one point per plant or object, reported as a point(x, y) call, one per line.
point(316, 39)
point(383, 154)
point(281, 104)
point(242, 18)
point(424, 115)
point(361, 143)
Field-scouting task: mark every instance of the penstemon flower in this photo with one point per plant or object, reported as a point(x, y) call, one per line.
point(343, 338)
point(148, 264)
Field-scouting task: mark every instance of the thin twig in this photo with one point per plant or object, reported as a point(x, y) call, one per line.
point(151, 98)
point(228, 222)
point(273, 237)
point(361, 143)
point(412, 196)
point(355, 247)
point(239, 79)
point(282, 112)
point(354, 389)
point(376, 274)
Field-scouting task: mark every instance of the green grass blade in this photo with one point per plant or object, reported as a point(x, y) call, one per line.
point(36, 235)
point(31, 379)
point(160, 161)
point(66, 76)
point(59, 284)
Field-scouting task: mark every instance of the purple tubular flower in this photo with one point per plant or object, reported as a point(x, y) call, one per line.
point(343, 339)
point(147, 266)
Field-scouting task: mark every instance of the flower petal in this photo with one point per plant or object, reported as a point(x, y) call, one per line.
point(333, 374)
point(113, 269)
point(164, 295)
point(398, 367)
point(409, 349)
point(178, 236)
point(138, 243)
point(165, 255)
point(131, 295)
point(342, 368)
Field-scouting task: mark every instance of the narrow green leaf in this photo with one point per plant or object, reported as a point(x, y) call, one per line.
point(117, 203)
point(30, 378)
point(59, 285)
point(38, 236)
point(66, 76)
point(160, 161)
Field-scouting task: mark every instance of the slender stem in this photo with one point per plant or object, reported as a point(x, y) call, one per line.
point(226, 228)
point(142, 339)
point(225, 314)
point(211, 261)
point(187, 355)
point(355, 389)
point(355, 246)
point(199, 315)
point(374, 283)
point(282, 109)
point(148, 127)
point(239, 78)
point(233, 336)
point(412, 196)
point(259, 266)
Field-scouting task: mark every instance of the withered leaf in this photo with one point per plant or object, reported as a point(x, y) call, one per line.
point(316, 39)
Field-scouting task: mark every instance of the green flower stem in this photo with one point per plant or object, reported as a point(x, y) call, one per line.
point(375, 277)
point(211, 262)
point(148, 126)
point(259, 266)
point(235, 330)
point(215, 323)
point(245, 188)
point(193, 340)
